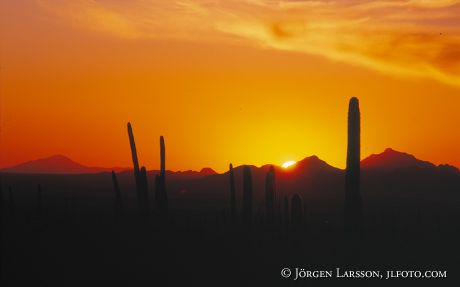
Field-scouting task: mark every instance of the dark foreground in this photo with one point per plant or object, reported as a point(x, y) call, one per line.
point(65, 247)
point(75, 234)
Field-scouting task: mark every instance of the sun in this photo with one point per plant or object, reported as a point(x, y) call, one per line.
point(288, 163)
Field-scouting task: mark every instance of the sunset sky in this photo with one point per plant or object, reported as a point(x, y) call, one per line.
point(241, 81)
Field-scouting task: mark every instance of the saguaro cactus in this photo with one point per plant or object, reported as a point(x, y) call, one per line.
point(161, 196)
point(270, 195)
point(162, 157)
point(353, 205)
point(132, 143)
point(232, 194)
point(296, 210)
point(116, 188)
point(140, 175)
point(247, 195)
point(144, 189)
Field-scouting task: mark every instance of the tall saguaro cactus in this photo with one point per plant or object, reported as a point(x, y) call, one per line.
point(140, 176)
point(144, 185)
point(232, 194)
point(161, 196)
point(353, 205)
point(132, 143)
point(162, 157)
point(247, 195)
point(270, 195)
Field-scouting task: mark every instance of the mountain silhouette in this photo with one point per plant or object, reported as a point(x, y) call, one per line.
point(207, 171)
point(56, 164)
point(309, 167)
point(313, 165)
point(391, 174)
point(392, 160)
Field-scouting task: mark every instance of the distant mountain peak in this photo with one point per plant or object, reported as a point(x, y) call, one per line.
point(58, 163)
point(313, 163)
point(311, 160)
point(207, 170)
point(392, 159)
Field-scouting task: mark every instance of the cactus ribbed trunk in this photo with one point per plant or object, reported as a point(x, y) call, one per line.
point(247, 195)
point(353, 205)
point(232, 195)
point(296, 210)
point(270, 195)
point(161, 196)
point(116, 188)
point(132, 144)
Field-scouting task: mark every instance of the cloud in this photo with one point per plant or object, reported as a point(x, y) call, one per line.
point(412, 38)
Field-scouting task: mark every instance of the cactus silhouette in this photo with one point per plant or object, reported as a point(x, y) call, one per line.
point(232, 194)
point(161, 196)
point(247, 195)
point(296, 210)
point(135, 159)
point(116, 188)
point(144, 190)
point(140, 175)
point(353, 205)
point(162, 157)
point(270, 195)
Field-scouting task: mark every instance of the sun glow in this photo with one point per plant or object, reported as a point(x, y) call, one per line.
point(288, 164)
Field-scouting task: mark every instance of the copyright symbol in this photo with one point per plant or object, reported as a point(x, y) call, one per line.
point(286, 272)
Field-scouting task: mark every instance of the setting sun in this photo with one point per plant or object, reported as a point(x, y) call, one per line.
point(288, 164)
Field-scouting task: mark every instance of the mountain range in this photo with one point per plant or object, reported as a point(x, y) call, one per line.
point(388, 160)
point(58, 164)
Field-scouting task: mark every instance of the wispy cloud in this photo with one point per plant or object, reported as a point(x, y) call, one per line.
point(413, 38)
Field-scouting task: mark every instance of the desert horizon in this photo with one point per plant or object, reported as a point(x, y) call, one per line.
point(62, 164)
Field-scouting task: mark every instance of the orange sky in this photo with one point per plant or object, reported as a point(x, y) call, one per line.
point(227, 81)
